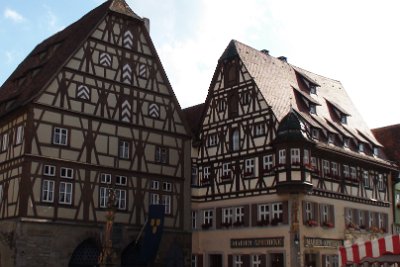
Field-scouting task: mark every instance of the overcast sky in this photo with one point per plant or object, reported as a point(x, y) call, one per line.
point(354, 41)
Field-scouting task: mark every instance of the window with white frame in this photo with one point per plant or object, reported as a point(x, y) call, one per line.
point(366, 179)
point(49, 170)
point(212, 140)
point(19, 135)
point(268, 162)
point(353, 173)
point(226, 171)
point(371, 219)
point(120, 180)
point(381, 221)
point(237, 261)
point(194, 175)
point(167, 202)
point(66, 173)
point(309, 211)
point(325, 167)
point(361, 219)
point(60, 136)
point(105, 178)
point(103, 197)
point(5, 142)
point(325, 213)
point(154, 185)
point(295, 155)
point(249, 167)
point(154, 199)
point(360, 147)
point(381, 182)
point(346, 171)
point(65, 193)
point(277, 211)
point(206, 173)
point(334, 168)
point(208, 217)
point(259, 129)
point(194, 219)
point(239, 214)
point(282, 156)
point(263, 213)
point(314, 162)
point(120, 199)
point(167, 186)
point(306, 157)
point(161, 155)
point(48, 191)
point(315, 133)
point(123, 149)
point(227, 215)
point(255, 260)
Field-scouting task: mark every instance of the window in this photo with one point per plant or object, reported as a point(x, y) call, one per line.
point(334, 168)
point(67, 173)
point(194, 219)
point(330, 261)
point(376, 151)
point(60, 136)
point(221, 105)
point(235, 140)
point(161, 155)
point(237, 261)
point(325, 213)
point(313, 89)
point(381, 221)
point(154, 199)
point(19, 135)
point(277, 212)
point(353, 173)
point(105, 178)
point(231, 73)
point(346, 171)
point(325, 167)
point(346, 142)
point(381, 182)
point(295, 156)
point(167, 187)
point(206, 174)
point(263, 213)
point(65, 193)
point(167, 202)
point(227, 216)
point(194, 261)
point(194, 176)
point(255, 261)
point(331, 138)
point(314, 162)
point(5, 142)
point(306, 157)
point(48, 191)
point(226, 171)
point(366, 179)
point(120, 199)
point(282, 156)
point(212, 140)
point(123, 149)
point(315, 133)
point(155, 185)
point(208, 217)
point(103, 197)
point(343, 119)
point(249, 167)
point(49, 170)
point(268, 162)
point(239, 214)
point(246, 98)
point(361, 147)
point(309, 214)
point(259, 129)
point(120, 180)
point(313, 109)
point(361, 219)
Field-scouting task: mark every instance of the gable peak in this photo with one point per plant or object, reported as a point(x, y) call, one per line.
point(122, 7)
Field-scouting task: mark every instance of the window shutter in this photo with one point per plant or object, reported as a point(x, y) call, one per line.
point(315, 211)
point(263, 258)
point(320, 210)
point(218, 218)
point(246, 216)
point(254, 214)
point(304, 212)
point(230, 260)
point(200, 260)
point(285, 215)
point(246, 260)
point(376, 219)
point(332, 214)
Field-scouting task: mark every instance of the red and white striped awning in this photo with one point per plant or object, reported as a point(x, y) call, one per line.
point(370, 250)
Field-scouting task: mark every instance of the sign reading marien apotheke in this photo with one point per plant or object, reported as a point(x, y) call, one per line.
point(257, 242)
point(322, 242)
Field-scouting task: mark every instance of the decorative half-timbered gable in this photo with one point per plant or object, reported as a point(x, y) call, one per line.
point(88, 111)
point(282, 153)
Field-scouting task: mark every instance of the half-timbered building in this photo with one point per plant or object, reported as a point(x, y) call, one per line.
point(90, 114)
point(284, 169)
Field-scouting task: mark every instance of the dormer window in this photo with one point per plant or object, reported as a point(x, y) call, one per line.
point(361, 147)
point(313, 108)
point(346, 142)
point(376, 151)
point(315, 133)
point(343, 119)
point(313, 89)
point(331, 138)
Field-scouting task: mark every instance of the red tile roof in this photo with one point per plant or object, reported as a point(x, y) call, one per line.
point(389, 137)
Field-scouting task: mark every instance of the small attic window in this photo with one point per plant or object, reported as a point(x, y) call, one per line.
point(360, 147)
point(331, 138)
point(313, 108)
point(313, 89)
point(343, 119)
point(315, 133)
point(376, 151)
point(346, 142)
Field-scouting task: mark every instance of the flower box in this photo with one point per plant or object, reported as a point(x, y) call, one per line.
point(205, 226)
point(311, 223)
point(226, 224)
point(328, 224)
point(263, 222)
point(238, 223)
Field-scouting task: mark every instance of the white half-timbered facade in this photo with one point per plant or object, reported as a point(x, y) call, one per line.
point(284, 170)
point(89, 111)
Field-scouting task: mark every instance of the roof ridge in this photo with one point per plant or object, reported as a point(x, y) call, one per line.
point(322, 76)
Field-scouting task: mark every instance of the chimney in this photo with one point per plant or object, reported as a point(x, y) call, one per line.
point(265, 51)
point(147, 24)
point(282, 58)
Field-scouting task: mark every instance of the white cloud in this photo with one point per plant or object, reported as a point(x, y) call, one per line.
point(13, 15)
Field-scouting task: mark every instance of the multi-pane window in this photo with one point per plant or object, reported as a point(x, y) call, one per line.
point(19, 135)
point(235, 140)
point(167, 186)
point(208, 217)
point(313, 89)
point(123, 149)
point(67, 173)
point(155, 185)
point(194, 176)
point(343, 119)
point(194, 261)
point(120, 199)
point(49, 170)
point(268, 162)
point(227, 215)
point(309, 211)
point(353, 173)
point(221, 105)
point(226, 171)
point(194, 219)
point(255, 260)
point(381, 221)
point(376, 151)
point(239, 213)
point(330, 261)
point(167, 202)
point(294, 155)
point(277, 211)
point(48, 191)
point(346, 171)
point(361, 147)
point(154, 199)
point(105, 178)
point(246, 97)
point(120, 180)
point(313, 109)
point(366, 179)
point(282, 156)
point(212, 140)
point(161, 155)
point(103, 197)
point(314, 162)
point(237, 261)
point(259, 129)
point(315, 133)
point(60, 136)
point(206, 173)
point(65, 193)
point(346, 142)
point(381, 182)
point(325, 167)
point(306, 157)
point(361, 219)
point(263, 213)
point(249, 167)
point(334, 168)
point(5, 142)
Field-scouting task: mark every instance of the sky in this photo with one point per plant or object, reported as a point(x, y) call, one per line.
point(354, 41)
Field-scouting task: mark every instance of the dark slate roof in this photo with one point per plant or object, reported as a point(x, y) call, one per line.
point(193, 117)
point(389, 137)
point(291, 129)
point(48, 57)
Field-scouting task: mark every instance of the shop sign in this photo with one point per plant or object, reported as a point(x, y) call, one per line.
point(322, 242)
point(257, 242)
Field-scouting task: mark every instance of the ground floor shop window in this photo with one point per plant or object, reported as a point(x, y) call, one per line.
point(277, 260)
point(310, 260)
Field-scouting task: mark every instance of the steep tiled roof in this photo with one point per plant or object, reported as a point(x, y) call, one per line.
point(193, 116)
point(276, 79)
point(389, 137)
point(48, 57)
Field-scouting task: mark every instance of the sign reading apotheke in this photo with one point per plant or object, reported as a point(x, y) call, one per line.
point(322, 242)
point(257, 242)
